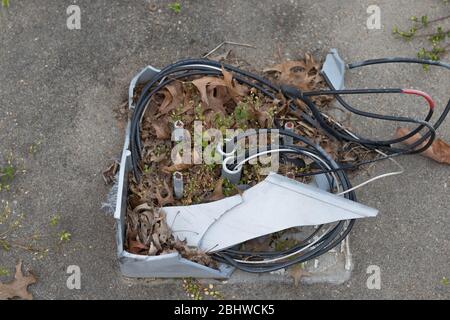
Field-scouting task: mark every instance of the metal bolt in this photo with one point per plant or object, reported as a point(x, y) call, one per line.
point(288, 126)
point(178, 131)
point(234, 176)
point(178, 184)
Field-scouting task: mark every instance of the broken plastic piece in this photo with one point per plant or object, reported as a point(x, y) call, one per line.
point(273, 205)
point(334, 69)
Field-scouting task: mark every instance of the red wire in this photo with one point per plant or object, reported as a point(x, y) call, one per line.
point(422, 94)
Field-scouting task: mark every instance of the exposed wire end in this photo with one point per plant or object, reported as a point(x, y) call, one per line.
point(422, 94)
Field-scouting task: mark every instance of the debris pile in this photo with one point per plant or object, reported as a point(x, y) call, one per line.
point(148, 234)
point(222, 103)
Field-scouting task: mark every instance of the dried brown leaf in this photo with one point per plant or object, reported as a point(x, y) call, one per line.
point(330, 147)
point(158, 158)
point(141, 208)
point(153, 250)
point(218, 191)
point(201, 258)
point(168, 199)
point(155, 238)
point(203, 84)
point(163, 231)
point(258, 244)
point(109, 175)
point(176, 167)
point(303, 74)
point(173, 97)
point(218, 98)
point(146, 222)
point(136, 247)
point(236, 90)
point(162, 130)
point(18, 288)
point(261, 115)
point(297, 272)
point(438, 151)
point(286, 67)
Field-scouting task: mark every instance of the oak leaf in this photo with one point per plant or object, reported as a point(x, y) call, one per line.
point(438, 151)
point(236, 90)
point(297, 272)
point(303, 74)
point(218, 191)
point(173, 97)
point(204, 86)
point(165, 200)
point(18, 288)
point(176, 167)
point(162, 130)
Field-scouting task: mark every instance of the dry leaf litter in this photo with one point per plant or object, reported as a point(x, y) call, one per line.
point(221, 103)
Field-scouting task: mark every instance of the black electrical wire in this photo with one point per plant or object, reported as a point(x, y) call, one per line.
point(186, 69)
point(192, 67)
point(427, 136)
point(294, 93)
point(243, 260)
point(398, 60)
point(230, 146)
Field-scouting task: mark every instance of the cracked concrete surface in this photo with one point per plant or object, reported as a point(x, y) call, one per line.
point(58, 88)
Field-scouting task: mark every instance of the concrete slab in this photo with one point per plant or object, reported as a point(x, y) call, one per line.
point(58, 88)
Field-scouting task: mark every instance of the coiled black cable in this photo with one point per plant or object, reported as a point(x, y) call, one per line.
point(192, 67)
point(314, 245)
point(334, 172)
point(294, 93)
point(185, 69)
point(386, 145)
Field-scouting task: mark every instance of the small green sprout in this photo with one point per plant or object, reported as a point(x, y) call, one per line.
point(54, 220)
point(196, 291)
point(4, 272)
point(227, 188)
point(242, 114)
point(147, 169)
point(5, 245)
point(34, 147)
point(193, 289)
point(438, 37)
point(175, 7)
point(64, 236)
point(7, 174)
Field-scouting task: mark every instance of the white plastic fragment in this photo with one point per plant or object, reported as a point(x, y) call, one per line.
point(275, 204)
point(191, 222)
point(334, 69)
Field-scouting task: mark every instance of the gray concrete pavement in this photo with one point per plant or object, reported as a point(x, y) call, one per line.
point(58, 89)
